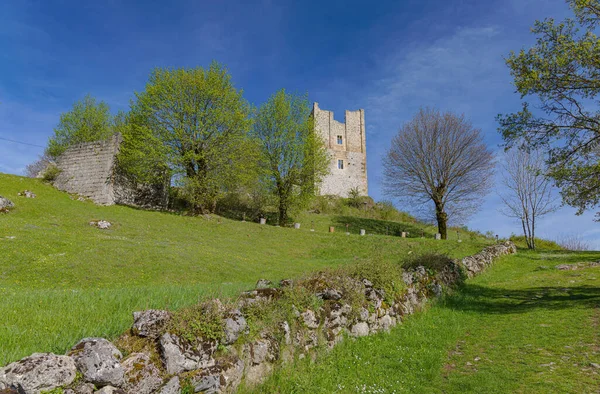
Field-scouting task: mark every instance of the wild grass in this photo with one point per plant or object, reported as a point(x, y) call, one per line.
point(62, 279)
point(521, 327)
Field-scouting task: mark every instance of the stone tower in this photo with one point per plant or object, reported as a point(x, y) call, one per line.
point(346, 145)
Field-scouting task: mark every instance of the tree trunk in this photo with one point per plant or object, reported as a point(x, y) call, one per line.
point(282, 212)
point(442, 220)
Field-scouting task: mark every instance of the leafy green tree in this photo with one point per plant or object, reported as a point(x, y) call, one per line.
point(561, 72)
point(194, 125)
point(293, 156)
point(88, 121)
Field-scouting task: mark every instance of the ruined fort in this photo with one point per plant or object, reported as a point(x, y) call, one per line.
point(90, 169)
point(346, 145)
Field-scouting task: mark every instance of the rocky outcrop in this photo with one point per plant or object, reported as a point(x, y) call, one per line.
point(173, 361)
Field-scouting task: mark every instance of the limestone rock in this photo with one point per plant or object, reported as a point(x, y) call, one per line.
point(259, 295)
point(180, 356)
point(110, 390)
point(5, 203)
point(141, 375)
point(235, 325)
point(330, 294)
point(38, 372)
point(98, 360)
point(286, 283)
point(360, 329)
point(263, 284)
point(150, 323)
point(27, 194)
point(172, 387)
point(223, 377)
point(101, 224)
point(83, 388)
point(310, 319)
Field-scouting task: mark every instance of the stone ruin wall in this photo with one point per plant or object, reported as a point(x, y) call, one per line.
point(90, 170)
point(87, 169)
point(105, 370)
point(352, 151)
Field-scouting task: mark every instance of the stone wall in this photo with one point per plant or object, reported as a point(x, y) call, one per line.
point(90, 170)
point(168, 361)
point(87, 169)
point(352, 151)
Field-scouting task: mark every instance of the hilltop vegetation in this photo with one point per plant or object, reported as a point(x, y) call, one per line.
point(62, 279)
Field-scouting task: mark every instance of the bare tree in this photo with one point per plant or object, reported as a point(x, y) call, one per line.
point(440, 159)
point(573, 242)
point(528, 192)
point(35, 169)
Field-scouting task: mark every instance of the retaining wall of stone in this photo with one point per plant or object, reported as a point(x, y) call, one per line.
point(170, 361)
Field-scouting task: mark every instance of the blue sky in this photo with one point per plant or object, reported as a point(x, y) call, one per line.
point(388, 57)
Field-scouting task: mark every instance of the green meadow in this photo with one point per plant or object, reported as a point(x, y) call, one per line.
point(62, 279)
point(520, 327)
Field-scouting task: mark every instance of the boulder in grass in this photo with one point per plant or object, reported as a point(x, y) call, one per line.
point(5, 204)
point(101, 224)
point(38, 372)
point(27, 194)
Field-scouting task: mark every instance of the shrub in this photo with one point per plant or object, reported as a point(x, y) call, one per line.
point(198, 321)
point(51, 173)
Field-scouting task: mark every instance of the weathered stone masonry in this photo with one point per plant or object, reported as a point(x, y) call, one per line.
point(90, 170)
point(347, 147)
point(104, 369)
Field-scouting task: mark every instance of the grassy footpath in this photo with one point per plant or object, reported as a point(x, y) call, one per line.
point(521, 327)
point(62, 280)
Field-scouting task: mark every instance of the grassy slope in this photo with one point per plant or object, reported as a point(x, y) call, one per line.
point(521, 327)
point(62, 280)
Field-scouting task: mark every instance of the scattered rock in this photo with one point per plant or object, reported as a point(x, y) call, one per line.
point(595, 365)
point(172, 387)
point(98, 361)
point(286, 283)
point(310, 319)
point(5, 203)
point(141, 375)
point(577, 266)
point(101, 224)
point(180, 356)
point(235, 325)
point(27, 194)
point(330, 294)
point(150, 323)
point(38, 372)
point(263, 284)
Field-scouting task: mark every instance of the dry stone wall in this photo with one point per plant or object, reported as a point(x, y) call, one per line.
point(172, 362)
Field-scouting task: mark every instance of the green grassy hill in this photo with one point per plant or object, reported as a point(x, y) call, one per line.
point(62, 279)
